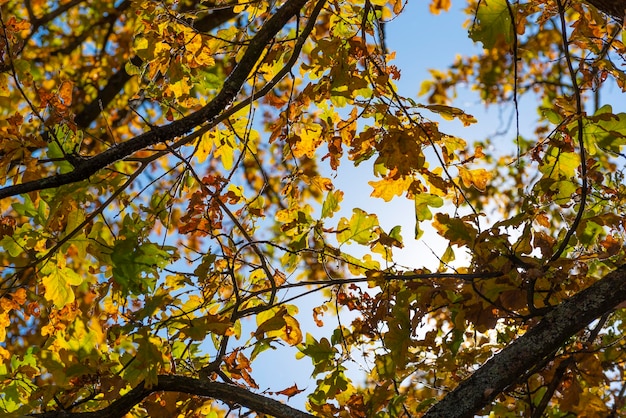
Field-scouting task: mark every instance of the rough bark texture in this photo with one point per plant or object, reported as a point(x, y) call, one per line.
point(169, 383)
point(505, 368)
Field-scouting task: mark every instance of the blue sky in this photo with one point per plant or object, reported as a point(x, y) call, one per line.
point(420, 43)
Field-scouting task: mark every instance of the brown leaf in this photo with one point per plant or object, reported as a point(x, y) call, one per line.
point(65, 92)
point(290, 391)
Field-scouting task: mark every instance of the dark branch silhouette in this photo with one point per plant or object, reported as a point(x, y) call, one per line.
point(86, 167)
point(231, 394)
point(117, 81)
point(556, 327)
point(614, 8)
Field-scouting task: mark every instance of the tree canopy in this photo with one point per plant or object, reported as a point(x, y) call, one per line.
point(168, 198)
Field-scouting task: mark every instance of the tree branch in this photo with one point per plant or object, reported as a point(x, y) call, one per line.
point(505, 368)
point(88, 167)
point(614, 8)
point(204, 388)
point(119, 79)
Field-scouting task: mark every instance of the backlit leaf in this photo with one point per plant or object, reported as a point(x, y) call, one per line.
point(493, 23)
point(361, 228)
point(58, 281)
point(455, 230)
point(478, 178)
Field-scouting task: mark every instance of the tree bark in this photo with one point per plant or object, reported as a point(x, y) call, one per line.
point(556, 327)
point(85, 168)
point(171, 383)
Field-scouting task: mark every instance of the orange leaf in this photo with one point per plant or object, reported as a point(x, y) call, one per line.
point(290, 391)
point(65, 93)
point(438, 5)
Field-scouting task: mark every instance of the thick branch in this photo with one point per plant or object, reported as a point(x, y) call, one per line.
point(118, 80)
point(613, 8)
point(171, 383)
point(505, 368)
point(86, 168)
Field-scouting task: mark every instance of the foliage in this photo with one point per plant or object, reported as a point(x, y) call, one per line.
point(168, 184)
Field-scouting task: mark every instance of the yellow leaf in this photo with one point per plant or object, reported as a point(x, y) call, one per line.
point(291, 332)
point(438, 5)
point(205, 147)
point(193, 41)
point(204, 57)
point(387, 188)
point(227, 154)
point(279, 323)
point(4, 323)
point(180, 88)
point(307, 140)
point(58, 282)
point(477, 178)
point(196, 45)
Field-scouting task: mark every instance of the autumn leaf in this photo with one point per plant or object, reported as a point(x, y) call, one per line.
point(387, 188)
point(457, 231)
point(65, 92)
point(437, 5)
point(478, 178)
point(290, 391)
point(361, 228)
point(58, 281)
point(281, 325)
point(450, 113)
point(493, 23)
point(169, 171)
point(331, 203)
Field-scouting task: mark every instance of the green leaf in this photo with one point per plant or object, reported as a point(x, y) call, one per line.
point(423, 202)
point(559, 164)
point(455, 230)
point(320, 352)
point(331, 203)
point(493, 24)
point(448, 255)
point(17, 243)
point(604, 130)
point(56, 153)
point(360, 228)
point(136, 266)
point(457, 340)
